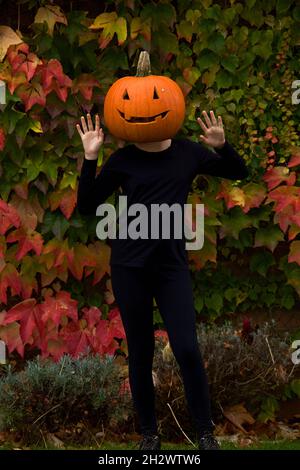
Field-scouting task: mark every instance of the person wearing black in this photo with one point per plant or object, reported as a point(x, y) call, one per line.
point(143, 269)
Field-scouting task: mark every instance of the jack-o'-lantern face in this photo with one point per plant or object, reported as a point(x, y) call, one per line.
point(144, 108)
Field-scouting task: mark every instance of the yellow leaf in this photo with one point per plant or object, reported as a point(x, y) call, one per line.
point(86, 37)
point(69, 179)
point(8, 37)
point(103, 20)
point(51, 14)
point(36, 127)
point(135, 27)
point(121, 30)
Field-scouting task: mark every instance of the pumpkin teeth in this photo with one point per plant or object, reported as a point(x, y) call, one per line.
point(144, 119)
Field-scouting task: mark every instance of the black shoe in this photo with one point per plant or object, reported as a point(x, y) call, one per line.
point(208, 442)
point(150, 442)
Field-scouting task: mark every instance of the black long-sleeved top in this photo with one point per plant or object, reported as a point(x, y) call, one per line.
point(154, 178)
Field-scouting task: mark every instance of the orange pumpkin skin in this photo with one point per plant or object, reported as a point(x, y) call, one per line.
point(144, 109)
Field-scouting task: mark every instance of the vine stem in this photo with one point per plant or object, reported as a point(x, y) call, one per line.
point(19, 16)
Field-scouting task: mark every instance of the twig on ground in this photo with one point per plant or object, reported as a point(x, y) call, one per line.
point(176, 420)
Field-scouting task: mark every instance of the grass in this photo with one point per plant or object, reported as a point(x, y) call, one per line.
point(263, 445)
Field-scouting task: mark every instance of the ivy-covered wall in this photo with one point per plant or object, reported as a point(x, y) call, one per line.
point(58, 60)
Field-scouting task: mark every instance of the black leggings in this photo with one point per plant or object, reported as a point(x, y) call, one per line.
point(134, 289)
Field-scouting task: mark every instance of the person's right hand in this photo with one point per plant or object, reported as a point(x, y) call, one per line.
point(91, 139)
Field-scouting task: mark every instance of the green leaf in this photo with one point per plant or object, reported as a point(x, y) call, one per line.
point(287, 300)
point(295, 386)
point(216, 42)
point(192, 15)
point(230, 63)
point(293, 277)
point(95, 299)
point(185, 30)
point(199, 303)
point(191, 75)
point(209, 77)
point(10, 119)
point(228, 15)
point(263, 50)
point(268, 237)
point(296, 13)
point(55, 223)
point(165, 41)
point(268, 409)
point(207, 60)
point(282, 6)
point(165, 13)
point(233, 293)
point(112, 59)
point(214, 12)
point(233, 222)
point(261, 261)
point(255, 37)
point(120, 27)
point(214, 302)
point(224, 79)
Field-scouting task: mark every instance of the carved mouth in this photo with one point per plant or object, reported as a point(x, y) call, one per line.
point(136, 119)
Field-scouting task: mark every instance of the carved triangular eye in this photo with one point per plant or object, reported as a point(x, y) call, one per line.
point(155, 94)
point(125, 95)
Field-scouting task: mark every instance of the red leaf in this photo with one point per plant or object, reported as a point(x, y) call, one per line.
point(283, 197)
point(294, 254)
point(22, 189)
point(65, 199)
point(100, 253)
point(54, 308)
point(232, 195)
point(9, 277)
point(161, 334)
point(294, 160)
point(55, 348)
point(28, 240)
point(24, 61)
point(116, 323)
point(28, 211)
point(60, 252)
point(85, 83)
point(276, 175)
point(76, 339)
point(10, 334)
point(31, 94)
point(2, 139)
point(8, 217)
point(293, 231)
point(27, 312)
point(2, 249)
point(83, 256)
point(92, 315)
point(106, 333)
point(285, 217)
point(54, 79)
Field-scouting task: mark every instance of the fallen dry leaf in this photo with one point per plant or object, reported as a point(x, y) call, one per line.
point(53, 440)
point(287, 433)
point(238, 415)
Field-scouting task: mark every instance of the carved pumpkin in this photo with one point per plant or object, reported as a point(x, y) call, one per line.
point(144, 108)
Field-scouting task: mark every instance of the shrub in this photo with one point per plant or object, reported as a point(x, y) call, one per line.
point(47, 396)
point(241, 366)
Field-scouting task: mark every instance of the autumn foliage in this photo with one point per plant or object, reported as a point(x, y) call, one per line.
point(239, 60)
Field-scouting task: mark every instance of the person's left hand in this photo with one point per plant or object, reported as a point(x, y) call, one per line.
point(213, 130)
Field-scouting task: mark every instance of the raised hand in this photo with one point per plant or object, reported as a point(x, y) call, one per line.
point(92, 139)
point(213, 130)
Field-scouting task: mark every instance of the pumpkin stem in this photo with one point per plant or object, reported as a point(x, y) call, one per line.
point(143, 66)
